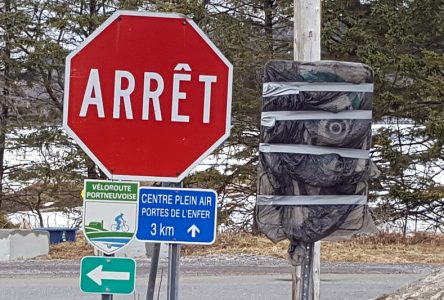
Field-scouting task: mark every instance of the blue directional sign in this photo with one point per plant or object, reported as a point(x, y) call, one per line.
point(177, 215)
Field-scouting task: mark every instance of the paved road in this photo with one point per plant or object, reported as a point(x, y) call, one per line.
point(215, 278)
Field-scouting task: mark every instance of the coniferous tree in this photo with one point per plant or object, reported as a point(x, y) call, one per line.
point(402, 41)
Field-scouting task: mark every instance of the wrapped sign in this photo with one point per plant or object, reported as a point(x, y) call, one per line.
point(314, 153)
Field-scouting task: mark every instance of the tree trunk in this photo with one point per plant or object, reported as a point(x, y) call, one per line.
point(268, 26)
point(39, 214)
point(3, 124)
point(255, 227)
point(406, 219)
point(5, 96)
point(92, 13)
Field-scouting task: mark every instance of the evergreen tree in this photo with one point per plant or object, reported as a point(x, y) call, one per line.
point(402, 41)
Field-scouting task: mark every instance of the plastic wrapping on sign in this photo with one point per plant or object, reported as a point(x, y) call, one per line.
point(289, 170)
point(328, 222)
point(321, 171)
point(340, 133)
point(310, 223)
point(319, 72)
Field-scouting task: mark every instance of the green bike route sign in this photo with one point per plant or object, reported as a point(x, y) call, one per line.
point(109, 213)
point(107, 275)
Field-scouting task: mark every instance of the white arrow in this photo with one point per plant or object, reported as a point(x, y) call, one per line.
point(193, 229)
point(97, 275)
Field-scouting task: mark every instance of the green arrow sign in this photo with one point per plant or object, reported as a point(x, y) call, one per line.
point(107, 275)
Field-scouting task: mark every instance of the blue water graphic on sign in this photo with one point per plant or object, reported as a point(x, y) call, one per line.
point(177, 215)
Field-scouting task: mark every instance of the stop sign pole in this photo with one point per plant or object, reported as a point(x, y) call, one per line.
point(148, 97)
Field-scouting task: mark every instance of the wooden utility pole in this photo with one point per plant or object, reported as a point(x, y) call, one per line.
point(307, 47)
point(307, 30)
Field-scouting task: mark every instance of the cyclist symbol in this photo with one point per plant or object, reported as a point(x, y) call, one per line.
point(120, 224)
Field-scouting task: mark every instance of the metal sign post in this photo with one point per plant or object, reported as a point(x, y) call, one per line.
point(175, 215)
point(173, 261)
point(307, 47)
point(173, 271)
point(155, 258)
point(108, 296)
point(153, 271)
point(306, 274)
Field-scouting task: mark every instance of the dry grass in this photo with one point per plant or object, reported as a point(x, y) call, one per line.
point(67, 250)
point(387, 248)
point(382, 248)
point(4, 223)
point(231, 243)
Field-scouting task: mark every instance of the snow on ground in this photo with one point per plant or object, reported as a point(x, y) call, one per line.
point(50, 219)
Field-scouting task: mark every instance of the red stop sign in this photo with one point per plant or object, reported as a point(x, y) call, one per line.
point(147, 96)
